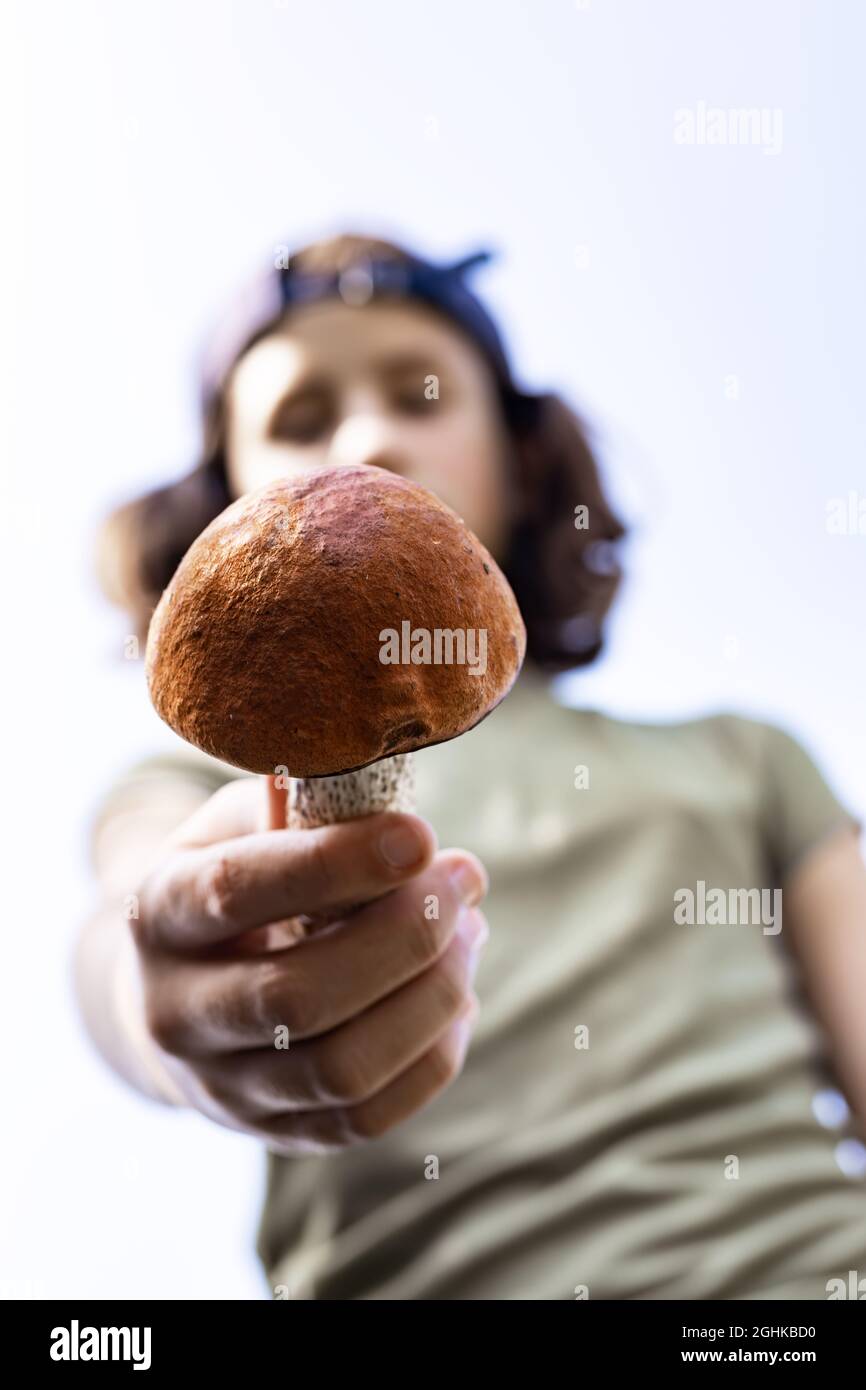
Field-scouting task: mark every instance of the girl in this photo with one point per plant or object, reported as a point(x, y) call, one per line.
point(651, 1106)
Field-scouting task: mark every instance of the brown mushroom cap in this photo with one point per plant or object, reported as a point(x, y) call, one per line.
point(264, 650)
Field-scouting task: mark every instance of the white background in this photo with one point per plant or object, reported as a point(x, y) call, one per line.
point(155, 154)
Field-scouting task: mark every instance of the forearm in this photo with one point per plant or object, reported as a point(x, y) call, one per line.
point(837, 987)
point(109, 1002)
point(127, 840)
point(825, 913)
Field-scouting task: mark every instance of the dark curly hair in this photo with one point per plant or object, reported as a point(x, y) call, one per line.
point(564, 576)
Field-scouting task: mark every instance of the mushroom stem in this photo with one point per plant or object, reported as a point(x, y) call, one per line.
point(388, 785)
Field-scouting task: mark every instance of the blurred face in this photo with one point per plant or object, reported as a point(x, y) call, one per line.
point(387, 384)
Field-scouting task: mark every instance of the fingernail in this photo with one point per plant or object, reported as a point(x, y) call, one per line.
point(401, 846)
point(469, 883)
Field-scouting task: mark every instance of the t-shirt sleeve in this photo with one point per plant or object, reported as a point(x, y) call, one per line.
point(799, 807)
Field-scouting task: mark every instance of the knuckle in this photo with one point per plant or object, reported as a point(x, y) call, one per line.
point(141, 923)
point(448, 984)
point(443, 1062)
point(226, 1092)
point(338, 1079)
point(139, 927)
point(224, 884)
point(277, 1002)
point(217, 1091)
point(160, 902)
point(366, 1121)
point(424, 939)
point(269, 1088)
point(164, 1024)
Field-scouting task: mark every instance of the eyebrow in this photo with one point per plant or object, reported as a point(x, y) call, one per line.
point(391, 365)
point(398, 362)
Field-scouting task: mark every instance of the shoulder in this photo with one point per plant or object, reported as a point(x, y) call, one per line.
point(763, 758)
point(726, 731)
point(795, 800)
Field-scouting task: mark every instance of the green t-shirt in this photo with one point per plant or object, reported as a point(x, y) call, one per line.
point(635, 1115)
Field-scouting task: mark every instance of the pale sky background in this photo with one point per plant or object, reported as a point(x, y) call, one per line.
point(702, 305)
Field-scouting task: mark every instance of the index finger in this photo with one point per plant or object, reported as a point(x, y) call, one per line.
point(207, 894)
point(239, 807)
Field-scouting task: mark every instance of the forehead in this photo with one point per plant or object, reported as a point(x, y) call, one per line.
point(331, 339)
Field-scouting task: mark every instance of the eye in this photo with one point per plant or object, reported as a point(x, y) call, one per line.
point(413, 400)
point(301, 423)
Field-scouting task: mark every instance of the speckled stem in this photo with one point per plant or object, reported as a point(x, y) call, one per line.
point(388, 785)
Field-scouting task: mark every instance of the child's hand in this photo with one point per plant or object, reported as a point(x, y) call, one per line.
point(376, 1008)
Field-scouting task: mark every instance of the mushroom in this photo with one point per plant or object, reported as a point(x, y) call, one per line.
point(325, 627)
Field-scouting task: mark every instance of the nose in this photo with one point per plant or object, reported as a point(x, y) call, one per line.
point(368, 435)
